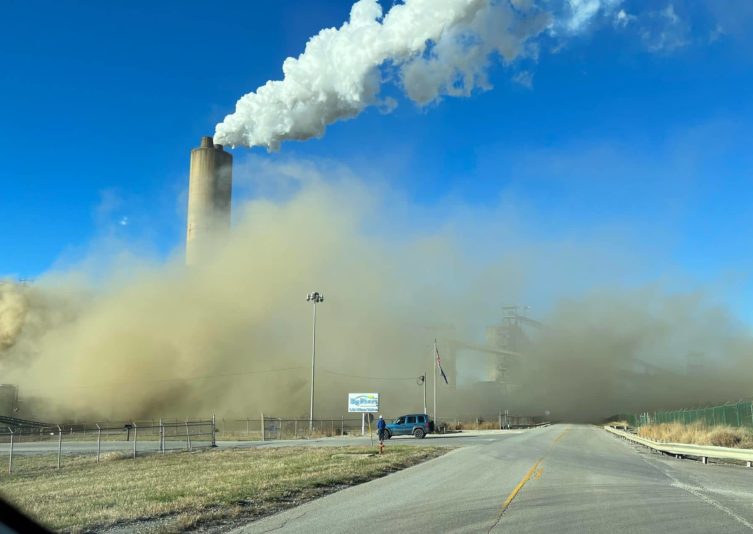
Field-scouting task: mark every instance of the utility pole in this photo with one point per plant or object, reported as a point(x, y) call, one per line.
point(421, 381)
point(314, 297)
point(434, 357)
point(424, 391)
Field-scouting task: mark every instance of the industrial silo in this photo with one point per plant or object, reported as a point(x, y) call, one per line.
point(8, 400)
point(209, 194)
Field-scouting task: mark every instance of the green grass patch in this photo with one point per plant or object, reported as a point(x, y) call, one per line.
point(190, 488)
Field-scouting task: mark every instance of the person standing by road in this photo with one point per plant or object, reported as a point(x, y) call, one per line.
point(381, 426)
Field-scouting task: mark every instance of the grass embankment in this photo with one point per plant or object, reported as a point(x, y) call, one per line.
point(699, 434)
point(191, 488)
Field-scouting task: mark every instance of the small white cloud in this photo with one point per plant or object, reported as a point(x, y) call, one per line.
point(717, 33)
point(582, 12)
point(524, 78)
point(670, 15)
point(622, 19)
point(665, 30)
point(387, 105)
point(123, 221)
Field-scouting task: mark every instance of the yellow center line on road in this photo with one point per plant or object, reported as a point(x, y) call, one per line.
point(526, 478)
point(519, 486)
point(560, 436)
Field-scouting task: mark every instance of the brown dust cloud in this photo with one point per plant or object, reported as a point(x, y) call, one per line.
point(232, 336)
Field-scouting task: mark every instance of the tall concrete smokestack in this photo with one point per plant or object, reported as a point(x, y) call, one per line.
point(209, 194)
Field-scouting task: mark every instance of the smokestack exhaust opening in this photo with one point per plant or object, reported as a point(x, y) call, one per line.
point(209, 198)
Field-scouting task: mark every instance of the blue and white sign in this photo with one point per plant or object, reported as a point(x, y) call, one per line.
point(363, 402)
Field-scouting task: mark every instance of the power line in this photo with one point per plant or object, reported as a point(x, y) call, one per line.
point(223, 375)
point(366, 377)
point(236, 374)
point(188, 378)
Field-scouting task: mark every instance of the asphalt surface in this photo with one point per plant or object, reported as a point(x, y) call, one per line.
point(565, 478)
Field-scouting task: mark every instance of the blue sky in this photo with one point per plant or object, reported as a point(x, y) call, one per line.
point(644, 130)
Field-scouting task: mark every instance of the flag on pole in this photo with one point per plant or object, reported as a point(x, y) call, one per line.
point(439, 362)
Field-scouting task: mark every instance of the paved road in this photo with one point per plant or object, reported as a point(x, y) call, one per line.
point(558, 479)
point(85, 447)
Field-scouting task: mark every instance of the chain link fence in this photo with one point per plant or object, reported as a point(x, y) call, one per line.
point(500, 420)
point(268, 428)
point(59, 444)
point(738, 414)
point(54, 444)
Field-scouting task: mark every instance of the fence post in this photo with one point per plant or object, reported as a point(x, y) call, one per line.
point(161, 437)
point(10, 460)
point(740, 418)
point(737, 413)
point(99, 440)
point(135, 438)
point(248, 427)
point(295, 429)
point(188, 436)
point(342, 425)
point(333, 427)
point(214, 442)
point(262, 426)
point(60, 443)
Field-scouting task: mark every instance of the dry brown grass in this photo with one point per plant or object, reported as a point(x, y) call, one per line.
point(481, 425)
point(699, 434)
point(189, 488)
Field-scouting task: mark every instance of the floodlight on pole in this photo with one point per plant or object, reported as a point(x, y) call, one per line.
point(315, 297)
point(421, 381)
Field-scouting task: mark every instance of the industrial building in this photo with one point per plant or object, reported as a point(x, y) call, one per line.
point(209, 199)
point(8, 400)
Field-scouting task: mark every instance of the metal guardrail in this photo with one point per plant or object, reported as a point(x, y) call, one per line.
point(704, 452)
point(20, 423)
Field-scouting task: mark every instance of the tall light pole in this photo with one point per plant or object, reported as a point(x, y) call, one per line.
point(421, 381)
point(314, 297)
point(434, 357)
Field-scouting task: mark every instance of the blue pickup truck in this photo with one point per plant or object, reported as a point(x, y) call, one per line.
point(416, 424)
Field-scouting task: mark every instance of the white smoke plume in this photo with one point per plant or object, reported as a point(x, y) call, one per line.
point(430, 48)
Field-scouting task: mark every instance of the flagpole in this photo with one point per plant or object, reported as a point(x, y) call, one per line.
point(434, 356)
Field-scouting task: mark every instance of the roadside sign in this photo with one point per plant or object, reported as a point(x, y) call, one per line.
point(363, 402)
